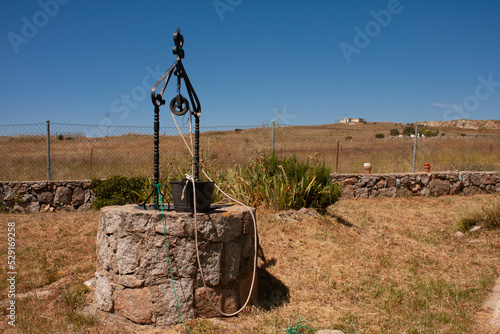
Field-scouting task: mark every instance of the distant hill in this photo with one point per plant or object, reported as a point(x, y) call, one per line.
point(464, 124)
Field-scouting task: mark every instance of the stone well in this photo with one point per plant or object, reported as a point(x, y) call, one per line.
point(133, 278)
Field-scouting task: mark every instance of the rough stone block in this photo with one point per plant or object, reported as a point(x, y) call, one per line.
point(70, 185)
point(362, 192)
point(103, 294)
point(135, 305)
point(84, 207)
point(111, 220)
point(78, 197)
point(477, 179)
point(130, 281)
point(232, 256)
point(153, 265)
point(176, 225)
point(45, 197)
point(348, 192)
point(183, 254)
point(467, 191)
point(366, 181)
point(63, 196)
point(387, 192)
point(32, 207)
point(414, 187)
point(220, 228)
point(440, 175)
point(127, 257)
point(390, 182)
point(37, 186)
point(456, 188)
point(438, 187)
point(403, 192)
point(452, 177)
point(88, 195)
point(87, 184)
point(136, 221)
point(166, 305)
point(350, 181)
point(211, 260)
point(7, 192)
point(224, 299)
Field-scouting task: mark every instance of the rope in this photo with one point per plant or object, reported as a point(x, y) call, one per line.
point(196, 230)
point(295, 328)
point(157, 185)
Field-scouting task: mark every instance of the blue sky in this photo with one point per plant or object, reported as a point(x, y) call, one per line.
point(73, 61)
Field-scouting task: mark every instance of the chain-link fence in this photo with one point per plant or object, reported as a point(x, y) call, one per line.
point(70, 151)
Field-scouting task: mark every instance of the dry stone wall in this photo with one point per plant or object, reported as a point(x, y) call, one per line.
point(39, 196)
point(418, 184)
point(133, 275)
point(46, 195)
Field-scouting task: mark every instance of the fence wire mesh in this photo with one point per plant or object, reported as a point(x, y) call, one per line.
point(92, 151)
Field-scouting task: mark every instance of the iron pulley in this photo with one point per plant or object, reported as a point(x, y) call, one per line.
point(179, 105)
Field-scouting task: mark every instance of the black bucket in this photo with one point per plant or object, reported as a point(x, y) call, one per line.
point(204, 192)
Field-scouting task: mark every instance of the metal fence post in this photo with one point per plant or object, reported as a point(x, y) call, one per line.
point(415, 148)
point(337, 162)
point(48, 150)
point(272, 136)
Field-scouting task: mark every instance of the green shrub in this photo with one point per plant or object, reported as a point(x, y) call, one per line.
point(409, 130)
point(394, 132)
point(379, 135)
point(116, 190)
point(348, 137)
point(284, 184)
point(487, 217)
point(430, 133)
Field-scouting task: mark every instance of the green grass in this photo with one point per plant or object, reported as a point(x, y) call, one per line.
point(488, 216)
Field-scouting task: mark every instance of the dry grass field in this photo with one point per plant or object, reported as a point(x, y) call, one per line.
point(77, 157)
point(385, 266)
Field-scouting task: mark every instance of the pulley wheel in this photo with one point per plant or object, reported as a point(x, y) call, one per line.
point(179, 110)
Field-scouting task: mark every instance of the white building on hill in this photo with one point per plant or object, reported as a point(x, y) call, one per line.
point(348, 120)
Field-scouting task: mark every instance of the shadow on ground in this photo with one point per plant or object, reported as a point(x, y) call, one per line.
point(271, 291)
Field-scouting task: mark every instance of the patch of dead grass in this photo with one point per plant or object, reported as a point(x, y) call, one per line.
point(391, 266)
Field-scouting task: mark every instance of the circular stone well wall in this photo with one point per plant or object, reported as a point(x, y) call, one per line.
point(133, 277)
